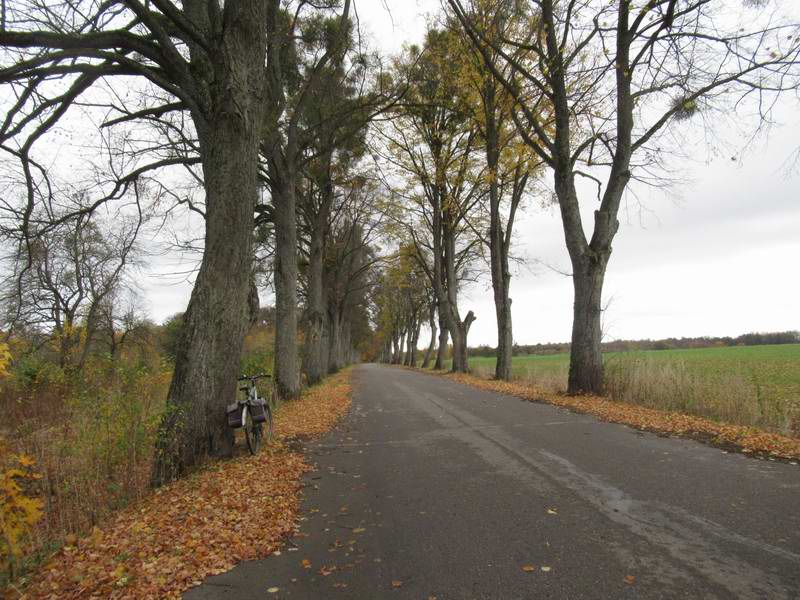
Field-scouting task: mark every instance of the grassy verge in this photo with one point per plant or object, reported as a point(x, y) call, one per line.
point(749, 440)
point(756, 386)
point(199, 526)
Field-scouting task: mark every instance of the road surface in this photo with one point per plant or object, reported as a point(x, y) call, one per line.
point(431, 489)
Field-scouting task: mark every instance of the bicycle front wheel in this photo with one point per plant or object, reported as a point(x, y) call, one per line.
point(252, 433)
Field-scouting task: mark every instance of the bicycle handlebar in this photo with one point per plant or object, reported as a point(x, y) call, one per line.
point(254, 377)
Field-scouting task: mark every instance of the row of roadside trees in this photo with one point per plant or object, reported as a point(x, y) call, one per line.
point(506, 95)
point(257, 118)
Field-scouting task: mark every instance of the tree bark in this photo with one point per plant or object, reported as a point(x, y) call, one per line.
point(498, 246)
point(458, 329)
point(426, 360)
point(586, 358)
point(505, 338)
point(286, 373)
point(441, 354)
point(314, 363)
point(412, 361)
point(216, 319)
point(336, 359)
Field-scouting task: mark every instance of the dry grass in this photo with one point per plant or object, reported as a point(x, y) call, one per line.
point(727, 397)
point(644, 379)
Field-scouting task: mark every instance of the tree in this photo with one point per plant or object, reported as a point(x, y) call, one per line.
point(63, 280)
point(299, 54)
point(431, 143)
point(509, 162)
point(206, 59)
point(337, 116)
point(350, 261)
point(618, 76)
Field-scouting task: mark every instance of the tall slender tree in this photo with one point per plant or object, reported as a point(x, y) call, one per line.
point(432, 143)
point(618, 76)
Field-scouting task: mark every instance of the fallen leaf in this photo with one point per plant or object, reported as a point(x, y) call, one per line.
point(546, 569)
point(396, 583)
point(325, 571)
point(198, 526)
point(629, 579)
point(359, 530)
point(273, 590)
point(306, 563)
point(552, 511)
point(528, 568)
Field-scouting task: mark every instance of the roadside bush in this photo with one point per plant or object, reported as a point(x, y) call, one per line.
point(19, 512)
point(90, 433)
point(258, 354)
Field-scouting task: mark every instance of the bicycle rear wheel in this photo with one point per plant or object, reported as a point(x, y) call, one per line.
point(252, 433)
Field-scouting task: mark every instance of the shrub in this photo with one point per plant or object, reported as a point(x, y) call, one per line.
point(19, 512)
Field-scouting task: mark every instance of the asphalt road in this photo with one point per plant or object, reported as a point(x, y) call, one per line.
point(430, 489)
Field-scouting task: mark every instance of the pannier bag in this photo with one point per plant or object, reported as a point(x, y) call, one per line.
point(235, 414)
point(258, 410)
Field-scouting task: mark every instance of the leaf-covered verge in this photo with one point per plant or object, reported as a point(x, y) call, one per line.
point(202, 525)
point(730, 437)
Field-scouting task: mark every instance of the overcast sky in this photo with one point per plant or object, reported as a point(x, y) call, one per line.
point(717, 255)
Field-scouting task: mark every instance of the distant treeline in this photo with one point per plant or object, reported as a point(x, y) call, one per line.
point(748, 339)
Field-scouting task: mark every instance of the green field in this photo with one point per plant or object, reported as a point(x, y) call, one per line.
point(751, 385)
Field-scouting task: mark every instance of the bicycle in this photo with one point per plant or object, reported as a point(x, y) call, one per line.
point(251, 413)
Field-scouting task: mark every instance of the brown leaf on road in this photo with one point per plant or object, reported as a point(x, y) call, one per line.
point(396, 583)
point(529, 568)
point(629, 579)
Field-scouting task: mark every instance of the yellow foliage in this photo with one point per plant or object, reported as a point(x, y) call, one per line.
point(18, 512)
point(5, 358)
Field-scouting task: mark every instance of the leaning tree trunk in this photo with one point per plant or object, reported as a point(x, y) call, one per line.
point(216, 319)
point(287, 373)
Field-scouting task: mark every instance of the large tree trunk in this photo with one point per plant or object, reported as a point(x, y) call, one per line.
point(414, 351)
point(460, 351)
point(286, 373)
point(426, 360)
point(458, 328)
point(441, 354)
point(314, 353)
point(336, 359)
point(586, 358)
point(216, 319)
point(505, 339)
